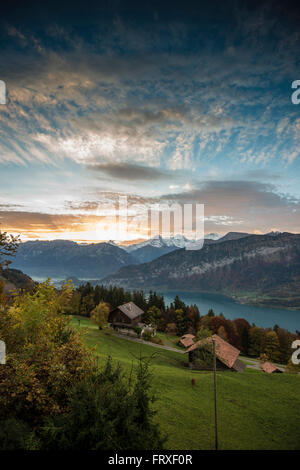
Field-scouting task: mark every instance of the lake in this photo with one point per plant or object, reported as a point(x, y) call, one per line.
point(261, 316)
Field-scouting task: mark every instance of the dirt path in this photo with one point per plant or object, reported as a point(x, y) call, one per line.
point(253, 363)
point(138, 340)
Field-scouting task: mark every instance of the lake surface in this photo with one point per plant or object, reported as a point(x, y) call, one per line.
point(261, 316)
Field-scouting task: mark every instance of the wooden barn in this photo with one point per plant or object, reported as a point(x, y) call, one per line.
point(226, 354)
point(127, 317)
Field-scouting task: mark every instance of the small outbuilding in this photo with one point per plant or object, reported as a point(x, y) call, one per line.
point(269, 368)
point(227, 356)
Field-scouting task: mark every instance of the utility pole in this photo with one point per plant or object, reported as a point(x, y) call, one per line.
point(2, 352)
point(215, 393)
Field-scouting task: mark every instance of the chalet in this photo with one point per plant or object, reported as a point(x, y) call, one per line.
point(187, 340)
point(127, 318)
point(226, 354)
point(269, 368)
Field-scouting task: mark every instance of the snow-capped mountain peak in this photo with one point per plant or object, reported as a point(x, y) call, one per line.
point(212, 236)
point(178, 241)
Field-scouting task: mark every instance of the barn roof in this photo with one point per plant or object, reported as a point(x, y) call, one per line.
point(225, 352)
point(131, 310)
point(239, 366)
point(187, 340)
point(269, 367)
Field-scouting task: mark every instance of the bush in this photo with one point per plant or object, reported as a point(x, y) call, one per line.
point(17, 435)
point(292, 368)
point(138, 331)
point(100, 314)
point(147, 335)
point(203, 357)
point(106, 413)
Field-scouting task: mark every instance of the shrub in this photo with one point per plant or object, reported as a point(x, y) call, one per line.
point(100, 314)
point(106, 413)
point(147, 335)
point(138, 331)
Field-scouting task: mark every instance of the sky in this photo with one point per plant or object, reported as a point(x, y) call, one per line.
point(175, 103)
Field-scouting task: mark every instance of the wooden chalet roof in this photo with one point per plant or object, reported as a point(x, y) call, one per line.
point(225, 352)
point(130, 309)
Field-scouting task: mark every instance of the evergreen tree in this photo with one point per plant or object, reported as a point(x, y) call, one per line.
point(210, 313)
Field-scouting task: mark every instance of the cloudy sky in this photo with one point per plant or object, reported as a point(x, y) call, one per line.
point(185, 103)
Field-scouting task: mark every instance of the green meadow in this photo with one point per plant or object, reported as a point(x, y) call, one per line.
point(255, 410)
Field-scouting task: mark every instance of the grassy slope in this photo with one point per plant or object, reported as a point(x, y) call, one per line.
point(256, 410)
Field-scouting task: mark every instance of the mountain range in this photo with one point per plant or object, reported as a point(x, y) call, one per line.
point(251, 268)
point(64, 258)
point(61, 259)
point(155, 247)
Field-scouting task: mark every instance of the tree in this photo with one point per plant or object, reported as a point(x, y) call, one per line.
point(203, 333)
point(222, 333)
point(152, 316)
point(100, 314)
point(171, 328)
point(45, 357)
point(242, 328)
point(107, 412)
point(179, 304)
point(285, 340)
point(52, 394)
point(180, 322)
point(192, 319)
point(216, 322)
point(8, 247)
point(257, 340)
point(87, 304)
point(272, 346)
point(210, 313)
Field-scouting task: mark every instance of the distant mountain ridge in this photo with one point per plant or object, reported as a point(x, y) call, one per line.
point(179, 241)
point(251, 265)
point(155, 247)
point(232, 236)
point(65, 258)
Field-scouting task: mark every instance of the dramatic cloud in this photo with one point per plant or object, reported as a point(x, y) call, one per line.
point(129, 171)
point(185, 103)
point(243, 203)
